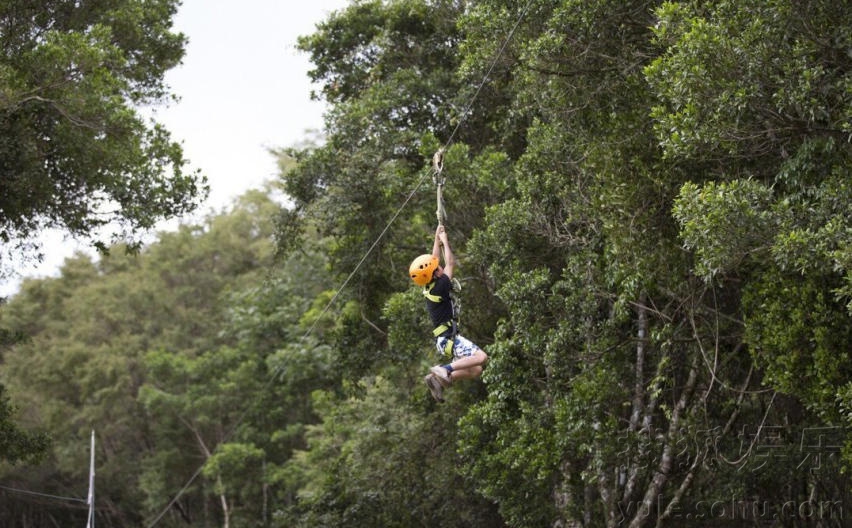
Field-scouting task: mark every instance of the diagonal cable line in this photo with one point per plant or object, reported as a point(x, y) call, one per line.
point(488, 73)
point(43, 495)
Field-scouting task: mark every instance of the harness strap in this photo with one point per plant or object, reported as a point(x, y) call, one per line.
point(443, 327)
point(448, 347)
point(427, 292)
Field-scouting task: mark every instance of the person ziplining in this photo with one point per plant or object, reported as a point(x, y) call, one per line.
point(462, 358)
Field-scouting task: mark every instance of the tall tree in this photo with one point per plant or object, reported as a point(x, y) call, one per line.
point(75, 150)
point(98, 335)
point(238, 411)
point(641, 373)
point(757, 93)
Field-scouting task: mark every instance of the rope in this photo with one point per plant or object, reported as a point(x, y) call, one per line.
point(438, 159)
point(364, 258)
point(440, 212)
point(187, 485)
point(490, 69)
point(43, 495)
point(438, 178)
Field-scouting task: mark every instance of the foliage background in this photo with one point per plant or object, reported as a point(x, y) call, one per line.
point(650, 203)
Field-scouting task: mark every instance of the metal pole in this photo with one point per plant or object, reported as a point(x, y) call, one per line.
point(91, 498)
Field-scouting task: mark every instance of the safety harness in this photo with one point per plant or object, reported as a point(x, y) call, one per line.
point(452, 324)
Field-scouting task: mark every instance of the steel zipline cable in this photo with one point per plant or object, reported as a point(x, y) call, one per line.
point(42, 495)
point(435, 173)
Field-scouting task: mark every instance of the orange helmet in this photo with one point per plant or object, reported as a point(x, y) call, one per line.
point(422, 268)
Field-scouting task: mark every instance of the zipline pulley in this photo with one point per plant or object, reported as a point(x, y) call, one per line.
point(438, 178)
point(438, 167)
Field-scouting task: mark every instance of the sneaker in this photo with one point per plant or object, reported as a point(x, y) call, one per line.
point(435, 387)
point(442, 375)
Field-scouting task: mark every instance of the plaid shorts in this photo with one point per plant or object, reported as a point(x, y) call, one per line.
point(462, 347)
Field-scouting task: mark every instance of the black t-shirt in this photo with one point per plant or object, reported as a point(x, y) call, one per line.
point(441, 312)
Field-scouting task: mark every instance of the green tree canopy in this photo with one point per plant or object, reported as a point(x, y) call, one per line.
point(76, 152)
point(633, 163)
point(102, 331)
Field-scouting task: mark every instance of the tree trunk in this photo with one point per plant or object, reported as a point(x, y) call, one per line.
point(223, 499)
point(639, 368)
point(661, 474)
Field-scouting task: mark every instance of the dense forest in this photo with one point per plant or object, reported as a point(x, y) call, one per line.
point(651, 205)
